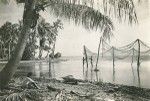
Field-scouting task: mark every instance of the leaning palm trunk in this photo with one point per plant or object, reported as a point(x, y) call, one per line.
point(10, 68)
point(80, 13)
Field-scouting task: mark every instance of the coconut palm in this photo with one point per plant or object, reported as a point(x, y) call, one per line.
point(82, 12)
point(47, 35)
point(9, 34)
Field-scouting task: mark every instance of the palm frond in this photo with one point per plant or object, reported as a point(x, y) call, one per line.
point(82, 14)
point(121, 9)
point(26, 95)
point(14, 97)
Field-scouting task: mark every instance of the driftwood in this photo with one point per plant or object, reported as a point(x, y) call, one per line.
point(82, 95)
point(71, 80)
point(52, 88)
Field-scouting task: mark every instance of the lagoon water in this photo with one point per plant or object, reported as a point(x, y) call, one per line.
point(73, 66)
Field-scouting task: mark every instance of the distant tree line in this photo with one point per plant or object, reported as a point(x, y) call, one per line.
point(42, 38)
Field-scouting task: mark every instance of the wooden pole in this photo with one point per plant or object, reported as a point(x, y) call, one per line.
point(91, 68)
point(51, 62)
point(86, 59)
point(50, 69)
point(96, 70)
point(102, 47)
point(132, 66)
point(83, 60)
point(138, 63)
point(113, 64)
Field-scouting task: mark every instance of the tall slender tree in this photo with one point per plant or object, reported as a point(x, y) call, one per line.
point(47, 34)
point(8, 71)
point(9, 35)
point(84, 12)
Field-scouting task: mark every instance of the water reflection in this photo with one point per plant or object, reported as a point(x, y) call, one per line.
point(123, 71)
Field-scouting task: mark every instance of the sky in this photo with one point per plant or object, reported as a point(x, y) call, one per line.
point(72, 38)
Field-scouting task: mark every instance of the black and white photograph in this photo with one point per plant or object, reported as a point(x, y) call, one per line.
point(74, 50)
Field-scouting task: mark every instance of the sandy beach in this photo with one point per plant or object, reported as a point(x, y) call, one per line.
point(51, 88)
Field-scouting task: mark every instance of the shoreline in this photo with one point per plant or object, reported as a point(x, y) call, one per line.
point(83, 91)
point(32, 61)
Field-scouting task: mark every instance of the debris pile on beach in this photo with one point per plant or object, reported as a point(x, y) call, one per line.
point(56, 90)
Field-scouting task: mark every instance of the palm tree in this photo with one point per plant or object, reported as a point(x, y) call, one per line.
point(81, 12)
point(48, 33)
point(1, 48)
point(9, 34)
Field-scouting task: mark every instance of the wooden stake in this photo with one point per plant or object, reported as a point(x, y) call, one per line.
point(91, 68)
point(86, 59)
point(138, 63)
point(98, 58)
point(50, 70)
point(132, 66)
point(83, 60)
point(102, 47)
point(113, 65)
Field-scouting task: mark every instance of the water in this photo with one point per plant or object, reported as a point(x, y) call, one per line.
point(123, 71)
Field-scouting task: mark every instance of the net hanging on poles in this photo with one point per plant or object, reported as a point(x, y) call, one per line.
point(121, 52)
point(136, 50)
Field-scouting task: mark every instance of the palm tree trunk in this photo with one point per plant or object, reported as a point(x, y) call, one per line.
point(8, 71)
point(1, 51)
point(53, 50)
point(9, 51)
point(4, 51)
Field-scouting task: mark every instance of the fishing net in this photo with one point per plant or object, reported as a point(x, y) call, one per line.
point(137, 50)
